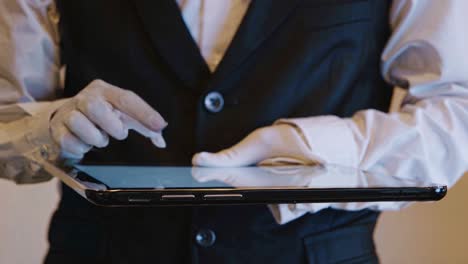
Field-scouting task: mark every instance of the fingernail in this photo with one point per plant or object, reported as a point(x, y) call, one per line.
point(157, 123)
point(201, 157)
point(196, 159)
point(158, 140)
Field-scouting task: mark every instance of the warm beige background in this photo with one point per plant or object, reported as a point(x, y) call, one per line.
point(424, 233)
point(427, 232)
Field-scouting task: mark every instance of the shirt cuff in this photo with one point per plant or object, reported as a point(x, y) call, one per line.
point(328, 137)
point(37, 141)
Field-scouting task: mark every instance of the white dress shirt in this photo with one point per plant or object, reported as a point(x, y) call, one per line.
point(424, 135)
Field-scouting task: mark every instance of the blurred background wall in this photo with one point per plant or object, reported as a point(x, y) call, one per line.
point(427, 232)
point(423, 233)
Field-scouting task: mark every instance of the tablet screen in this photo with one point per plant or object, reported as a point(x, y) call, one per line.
point(157, 177)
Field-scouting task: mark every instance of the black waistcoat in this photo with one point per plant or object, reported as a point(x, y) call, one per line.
point(293, 58)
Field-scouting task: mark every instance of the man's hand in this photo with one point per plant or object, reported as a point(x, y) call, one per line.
point(281, 143)
point(99, 111)
point(259, 176)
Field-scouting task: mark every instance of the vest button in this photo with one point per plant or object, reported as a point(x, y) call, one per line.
point(214, 102)
point(205, 237)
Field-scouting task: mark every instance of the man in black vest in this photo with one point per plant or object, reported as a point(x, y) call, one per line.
point(312, 64)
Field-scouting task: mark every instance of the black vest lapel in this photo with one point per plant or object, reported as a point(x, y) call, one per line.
point(164, 23)
point(261, 19)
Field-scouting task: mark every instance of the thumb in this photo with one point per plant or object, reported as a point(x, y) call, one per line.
point(249, 151)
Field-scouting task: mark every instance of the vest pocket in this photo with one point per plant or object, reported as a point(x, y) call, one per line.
point(353, 244)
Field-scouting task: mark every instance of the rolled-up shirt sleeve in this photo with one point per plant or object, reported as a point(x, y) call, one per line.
point(29, 82)
point(424, 136)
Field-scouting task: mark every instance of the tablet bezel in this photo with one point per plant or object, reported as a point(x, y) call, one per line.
point(101, 195)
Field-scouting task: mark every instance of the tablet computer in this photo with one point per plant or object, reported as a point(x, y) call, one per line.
point(120, 185)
